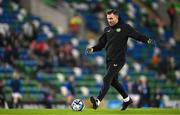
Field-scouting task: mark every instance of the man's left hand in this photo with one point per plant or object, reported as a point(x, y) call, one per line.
point(151, 43)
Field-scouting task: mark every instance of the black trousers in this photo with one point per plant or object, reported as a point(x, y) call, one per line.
point(111, 79)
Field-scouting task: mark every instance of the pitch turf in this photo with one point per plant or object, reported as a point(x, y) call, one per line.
point(149, 111)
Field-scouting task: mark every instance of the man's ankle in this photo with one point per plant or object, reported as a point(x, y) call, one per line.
point(126, 99)
point(98, 101)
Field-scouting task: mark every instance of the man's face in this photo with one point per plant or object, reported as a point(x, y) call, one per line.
point(112, 19)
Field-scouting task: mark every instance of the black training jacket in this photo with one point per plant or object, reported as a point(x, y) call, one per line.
point(114, 40)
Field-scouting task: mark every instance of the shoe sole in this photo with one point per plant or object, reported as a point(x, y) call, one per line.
point(93, 101)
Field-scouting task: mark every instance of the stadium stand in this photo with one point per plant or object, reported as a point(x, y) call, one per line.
point(54, 69)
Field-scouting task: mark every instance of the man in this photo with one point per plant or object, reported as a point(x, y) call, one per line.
point(172, 15)
point(3, 102)
point(2, 95)
point(114, 40)
point(16, 85)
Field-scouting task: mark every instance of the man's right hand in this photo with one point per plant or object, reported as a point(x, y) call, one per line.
point(89, 50)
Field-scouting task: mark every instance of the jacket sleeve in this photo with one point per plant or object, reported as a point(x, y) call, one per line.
point(136, 35)
point(101, 43)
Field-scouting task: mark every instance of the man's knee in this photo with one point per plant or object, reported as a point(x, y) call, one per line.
point(107, 79)
point(113, 83)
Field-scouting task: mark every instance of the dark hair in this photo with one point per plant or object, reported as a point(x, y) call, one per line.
point(112, 11)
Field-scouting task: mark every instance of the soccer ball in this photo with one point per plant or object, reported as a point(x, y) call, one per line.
point(77, 105)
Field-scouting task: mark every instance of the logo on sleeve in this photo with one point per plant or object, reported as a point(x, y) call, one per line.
point(115, 65)
point(109, 30)
point(118, 29)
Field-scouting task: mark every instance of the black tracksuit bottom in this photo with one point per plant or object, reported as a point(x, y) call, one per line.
point(111, 79)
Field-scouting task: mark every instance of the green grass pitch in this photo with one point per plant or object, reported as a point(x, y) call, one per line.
point(142, 111)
